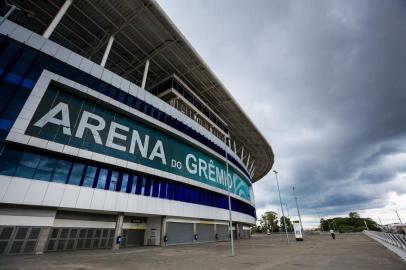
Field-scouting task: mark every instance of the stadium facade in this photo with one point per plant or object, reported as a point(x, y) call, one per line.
point(115, 133)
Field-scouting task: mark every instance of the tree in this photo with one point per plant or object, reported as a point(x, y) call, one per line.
point(352, 223)
point(289, 224)
point(354, 215)
point(269, 220)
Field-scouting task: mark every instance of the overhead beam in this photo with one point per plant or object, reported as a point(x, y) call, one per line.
point(144, 78)
point(51, 27)
point(149, 56)
point(107, 51)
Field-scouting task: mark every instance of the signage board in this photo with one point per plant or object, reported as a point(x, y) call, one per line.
point(68, 119)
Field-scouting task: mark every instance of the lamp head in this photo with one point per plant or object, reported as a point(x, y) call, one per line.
point(275, 171)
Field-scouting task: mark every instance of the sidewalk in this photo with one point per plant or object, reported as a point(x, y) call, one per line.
point(348, 252)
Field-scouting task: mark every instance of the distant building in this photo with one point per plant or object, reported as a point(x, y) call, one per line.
point(395, 227)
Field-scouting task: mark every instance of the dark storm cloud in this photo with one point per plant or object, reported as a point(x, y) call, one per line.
point(325, 82)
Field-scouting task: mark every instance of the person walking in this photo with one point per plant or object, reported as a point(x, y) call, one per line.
point(332, 234)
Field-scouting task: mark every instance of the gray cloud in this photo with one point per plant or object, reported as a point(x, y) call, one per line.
point(324, 81)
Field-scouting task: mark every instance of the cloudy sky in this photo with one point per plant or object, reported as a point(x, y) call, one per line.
point(325, 82)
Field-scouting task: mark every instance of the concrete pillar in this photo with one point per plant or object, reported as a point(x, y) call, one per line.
point(163, 231)
point(215, 229)
point(42, 240)
point(237, 230)
point(118, 231)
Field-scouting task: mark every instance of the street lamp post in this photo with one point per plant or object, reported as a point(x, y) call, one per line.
point(403, 228)
point(280, 200)
point(229, 200)
point(287, 211)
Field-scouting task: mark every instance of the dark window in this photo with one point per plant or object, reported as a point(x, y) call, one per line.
point(155, 188)
point(90, 175)
point(76, 174)
point(27, 165)
point(8, 161)
point(133, 180)
point(140, 184)
point(113, 180)
point(101, 181)
point(45, 168)
point(162, 189)
point(147, 186)
point(124, 182)
point(170, 191)
point(61, 171)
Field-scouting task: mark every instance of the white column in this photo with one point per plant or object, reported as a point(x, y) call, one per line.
point(252, 172)
point(144, 78)
point(57, 19)
point(252, 165)
point(107, 51)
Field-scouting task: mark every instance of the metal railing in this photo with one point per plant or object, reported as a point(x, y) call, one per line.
point(394, 239)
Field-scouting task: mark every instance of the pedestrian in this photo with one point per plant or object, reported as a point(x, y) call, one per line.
point(332, 234)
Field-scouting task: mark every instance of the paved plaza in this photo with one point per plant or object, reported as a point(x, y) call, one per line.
point(348, 251)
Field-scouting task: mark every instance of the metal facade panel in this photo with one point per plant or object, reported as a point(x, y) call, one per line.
point(222, 232)
point(205, 233)
point(179, 233)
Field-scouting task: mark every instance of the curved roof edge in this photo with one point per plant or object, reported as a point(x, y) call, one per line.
point(263, 161)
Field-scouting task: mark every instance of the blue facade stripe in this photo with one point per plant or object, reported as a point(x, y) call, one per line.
point(38, 166)
point(5, 124)
point(17, 79)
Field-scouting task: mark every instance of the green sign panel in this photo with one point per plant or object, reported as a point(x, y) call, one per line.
point(71, 120)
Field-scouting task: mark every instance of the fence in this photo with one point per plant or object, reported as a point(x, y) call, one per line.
point(393, 241)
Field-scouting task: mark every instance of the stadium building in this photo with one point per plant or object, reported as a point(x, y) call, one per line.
point(115, 133)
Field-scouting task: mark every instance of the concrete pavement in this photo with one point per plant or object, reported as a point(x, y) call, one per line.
point(348, 251)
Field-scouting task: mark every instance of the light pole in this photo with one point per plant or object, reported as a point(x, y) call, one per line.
point(403, 228)
point(298, 212)
point(280, 200)
point(396, 211)
point(229, 200)
point(287, 210)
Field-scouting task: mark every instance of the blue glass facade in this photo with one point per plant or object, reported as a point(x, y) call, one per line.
point(36, 166)
point(20, 67)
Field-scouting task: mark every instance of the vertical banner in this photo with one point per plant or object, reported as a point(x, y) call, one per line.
point(298, 230)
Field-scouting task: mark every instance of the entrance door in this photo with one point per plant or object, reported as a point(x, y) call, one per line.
point(134, 237)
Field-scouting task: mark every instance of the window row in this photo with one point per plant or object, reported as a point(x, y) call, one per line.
point(31, 165)
point(20, 63)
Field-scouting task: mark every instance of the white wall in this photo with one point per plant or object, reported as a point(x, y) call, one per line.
point(15, 216)
point(21, 191)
